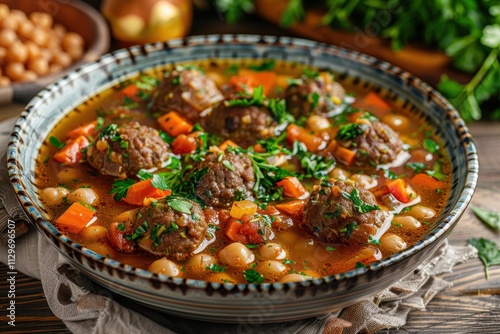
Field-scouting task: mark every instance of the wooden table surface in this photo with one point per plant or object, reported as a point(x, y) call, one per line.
point(472, 305)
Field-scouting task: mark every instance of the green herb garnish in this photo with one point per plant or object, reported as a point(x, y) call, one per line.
point(215, 268)
point(490, 218)
point(253, 276)
point(56, 142)
point(359, 204)
point(488, 252)
point(120, 188)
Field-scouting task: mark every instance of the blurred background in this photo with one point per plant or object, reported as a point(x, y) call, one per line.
point(452, 45)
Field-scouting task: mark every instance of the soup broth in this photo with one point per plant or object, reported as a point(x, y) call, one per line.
point(243, 173)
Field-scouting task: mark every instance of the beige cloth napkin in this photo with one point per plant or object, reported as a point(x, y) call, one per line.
point(86, 307)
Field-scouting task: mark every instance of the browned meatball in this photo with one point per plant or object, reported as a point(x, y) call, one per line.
point(123, 150)
point(340, 212)
point(373, 141)
point(225, 177)
point(321, 95)
point(162, 229)
point(243, 125)
point(188, 92)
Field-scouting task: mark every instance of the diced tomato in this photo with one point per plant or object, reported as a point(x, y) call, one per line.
point(117, 237)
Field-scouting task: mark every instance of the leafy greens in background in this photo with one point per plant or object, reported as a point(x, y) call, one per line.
point(466, 30)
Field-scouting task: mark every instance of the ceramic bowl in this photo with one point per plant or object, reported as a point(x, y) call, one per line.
point(76, 16)
point(267, 302)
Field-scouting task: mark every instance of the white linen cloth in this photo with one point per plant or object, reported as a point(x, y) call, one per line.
point(86, 307)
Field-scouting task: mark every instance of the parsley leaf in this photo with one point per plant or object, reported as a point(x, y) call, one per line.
point(179, 205)
point(120, 188)
point(437, 172)
point(138, 232)
point(349, 131)
point(253, 276)
point(229, 165)
point(488, 252)
point(359, 204)
point(265, 66)
point(490, 218)
point(159, 182)
point(56, 142)
point(256, 100)
point(215, 268)
point(416, 166)
point(288, 261)
point(156, 232)
point(430, 145)
point(348, 229)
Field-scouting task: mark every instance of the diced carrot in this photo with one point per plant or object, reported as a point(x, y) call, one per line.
point(227, 143)
point(365, 256)
point(374, 102)
point(251, 79)
point(258, 148)
point(292, 208)
point(423, 181)
point(401, 190)
point(233, 228)
point(330, 148)
point(130, 91)
point(174, 124)
point(75, 218)
point(241, 208)
point(72, 153)
point(184, 144)
point(139, 192)
point(312, 142)
point(345, 155)
point(84, 130)
point(380, 191)
point(292, 187)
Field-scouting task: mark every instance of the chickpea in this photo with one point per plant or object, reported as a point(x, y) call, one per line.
point(53, 196)
point(28, 76)
point(40, 37)
point(220, 278)
point(421, 212)
point(61, 58)
point(339, 173)
point(392, 243)
point(69, 174)
point(293, 278)
point(102, 248)
point(4, 10)
point(272, 251)
point(318, 123)
point(4, 81)
point(199, 263)
point(9, 22)
point(33, 50)
point(236, 255)
point(94, 233)
point(17, 52)
point(271, 270)
point(364, 181)
point(84, 195)
point(59, 30)
point(3, 54)
point(42, 20)
point(39, 65)
point(71, 41)
point(75, 53)
point(7, 37)
point(25, 29)
point(165, 267)
point(310, 274)
point(14, 71)
point(408, 222)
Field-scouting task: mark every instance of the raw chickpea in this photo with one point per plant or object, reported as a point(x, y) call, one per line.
point(198, 264)
point(28, 76)
point(4, 10)
point(71, 41)
point(75, 53)
point(392, 243)
point(39, 65)
point(83, 195)
point(53, 196)
point(272, 251)
point(318, 123)
point(61, 58)
point(364, 181)
point(59, 30)
point(271, 270)
point(4, 81)
point(165, 267)
point(408, 222)
point(14, 71)
point(42, 20)
point(3, 54)
point(40, 37)
point(293, 278)
point(7, 37)
point(17, 52)
point(220, 278)
point(236, 255)
point(9, 22)
point(94, 233)
point(33, 50)
point(339, 173)
point(421, 212)
point(54, 68)
point(25, 29)
point(18, 15)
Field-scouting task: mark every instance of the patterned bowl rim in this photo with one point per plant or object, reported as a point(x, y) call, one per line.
point(448, 221)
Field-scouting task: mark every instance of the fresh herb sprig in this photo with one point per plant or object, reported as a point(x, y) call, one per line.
point(488, 252)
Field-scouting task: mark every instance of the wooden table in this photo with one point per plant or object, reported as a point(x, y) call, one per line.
point(472, 305)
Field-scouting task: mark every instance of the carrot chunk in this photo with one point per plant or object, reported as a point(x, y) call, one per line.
point(292, 208)
point(344, 154)
point(226, 144)
point(130, 92)
point(251, 79)
point(292, 187)
point(233, 228)
point(184, 144)
point(72, 153)
point(174, 124)
point(75, 218)
point(374, 102)
point(139, 192)
point(84, 130)
point(424, 181)
point(401, 190)
point(312, 142)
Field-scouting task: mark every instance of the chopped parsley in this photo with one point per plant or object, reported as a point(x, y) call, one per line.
point(348, 229)
point(256, 100)
point(359, 265)
point(56, 142)
point(430, 145)
point(330, 248)
point(359, 204)
point(437, 171)
point(309, 73)
point(120, 188)
point(265, 66)
point(373, 241)
point(138, 232)
point(349, 131)
point(156, 232)
point(121, 227)
point(288, 261)
point(229, 165)
point(253, 276)
point(416, 166)
point(215, 268)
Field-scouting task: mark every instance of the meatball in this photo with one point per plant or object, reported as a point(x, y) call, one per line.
point(340, 212)
point(243, 125)
point(123, 150)
point(321, 95)
point(373, 141)
point(188, 92)
point(224, 178)
point(162, 229)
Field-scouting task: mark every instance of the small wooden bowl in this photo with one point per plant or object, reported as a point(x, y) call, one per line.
point(77, 17)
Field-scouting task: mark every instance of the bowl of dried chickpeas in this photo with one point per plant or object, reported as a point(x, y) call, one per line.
point(41, 41)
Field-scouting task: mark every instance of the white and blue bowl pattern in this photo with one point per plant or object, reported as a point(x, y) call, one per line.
point(266, 302)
